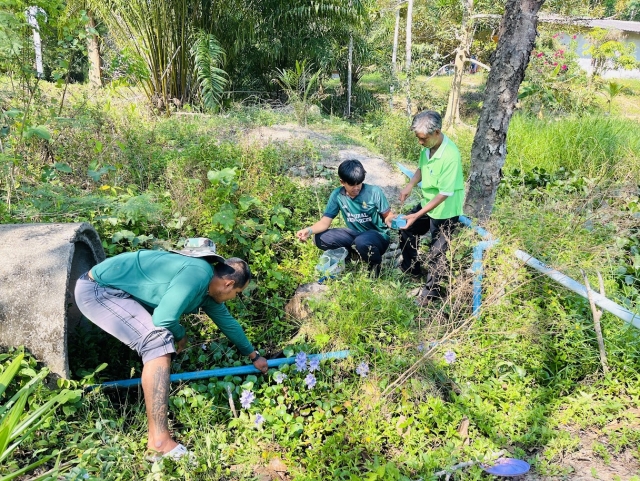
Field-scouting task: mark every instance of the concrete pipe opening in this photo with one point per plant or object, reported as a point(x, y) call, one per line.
point(38, 272)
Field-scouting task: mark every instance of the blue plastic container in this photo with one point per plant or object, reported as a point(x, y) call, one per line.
point(398, 222)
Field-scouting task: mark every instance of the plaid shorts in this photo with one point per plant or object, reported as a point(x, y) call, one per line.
point(116, 312)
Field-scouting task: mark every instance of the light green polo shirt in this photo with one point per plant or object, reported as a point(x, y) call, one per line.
point(172, 285)
point(442, 174)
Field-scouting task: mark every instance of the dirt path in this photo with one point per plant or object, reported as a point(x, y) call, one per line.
point(379, 171)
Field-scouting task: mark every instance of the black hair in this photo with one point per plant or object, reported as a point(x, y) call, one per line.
point(233, 269)
point(352, 172)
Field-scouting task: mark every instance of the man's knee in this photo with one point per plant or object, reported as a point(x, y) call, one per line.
point(156, 343)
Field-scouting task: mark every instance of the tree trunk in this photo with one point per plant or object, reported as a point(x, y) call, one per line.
point(394, 53)
point(349, 74)
point(93, 53)
point(516, 39)
point(452, 115)
point(408, 53)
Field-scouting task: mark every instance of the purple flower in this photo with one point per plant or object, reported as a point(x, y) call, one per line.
point(420, 347)
point(301, 362)
point(310, 381)
point(314, 364)
point(363, 369)
point(279, 377)
point(246, 399)
point(449, 357)
point(259, 420)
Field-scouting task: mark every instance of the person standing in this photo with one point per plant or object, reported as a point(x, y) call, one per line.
point(440, 171)
point(119, 293)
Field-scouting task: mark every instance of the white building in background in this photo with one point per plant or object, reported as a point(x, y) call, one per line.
point(630, 30)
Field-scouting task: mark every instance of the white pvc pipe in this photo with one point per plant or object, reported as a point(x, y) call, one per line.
point(600, 301)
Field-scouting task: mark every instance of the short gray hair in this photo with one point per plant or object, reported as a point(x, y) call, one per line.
point(426, 122)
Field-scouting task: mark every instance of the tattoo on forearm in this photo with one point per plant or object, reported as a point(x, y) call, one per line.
point(160, 403)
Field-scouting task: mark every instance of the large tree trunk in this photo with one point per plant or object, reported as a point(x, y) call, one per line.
point(408, 53)
point(93, 53)
point(452, 115)
point(516, 39)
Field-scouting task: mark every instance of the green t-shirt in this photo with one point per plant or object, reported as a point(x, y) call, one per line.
point(362, 213)
point(442, 174)
point(172, 285)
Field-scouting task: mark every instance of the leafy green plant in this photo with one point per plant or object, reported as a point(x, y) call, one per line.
point(609, 51)
point(208, 55)
point(611, 90)
point(554, 82)
point(16, 425)
point(300, 86)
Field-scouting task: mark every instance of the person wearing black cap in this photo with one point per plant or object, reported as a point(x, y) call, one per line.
point(118, 295)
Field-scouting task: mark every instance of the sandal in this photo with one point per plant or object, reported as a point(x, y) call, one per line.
point(176, 454)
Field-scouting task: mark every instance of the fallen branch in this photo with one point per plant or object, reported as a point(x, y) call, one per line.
point(466, 464)
point(231, 404)
point(597, 314)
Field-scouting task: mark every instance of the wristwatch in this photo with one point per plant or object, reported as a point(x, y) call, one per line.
point(258, 356)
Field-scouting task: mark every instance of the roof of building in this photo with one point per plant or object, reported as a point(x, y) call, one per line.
point(608, 24)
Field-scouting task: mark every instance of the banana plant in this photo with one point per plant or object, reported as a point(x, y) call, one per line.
point(16, 422)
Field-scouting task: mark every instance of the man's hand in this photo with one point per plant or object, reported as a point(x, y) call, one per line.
point(261, 364)
point(389, 218)
point(410, 218)
point(182, 343)
point(406, 192)
point(303, 235)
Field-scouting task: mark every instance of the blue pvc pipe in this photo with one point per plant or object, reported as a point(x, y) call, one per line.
point(476, 268)
point(407, 172)
point(566, 281)
point(224, 371)
point(466, 221)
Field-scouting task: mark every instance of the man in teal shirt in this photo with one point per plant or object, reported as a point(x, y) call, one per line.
point(118, 295)
point(440, 171)
point(364, 208)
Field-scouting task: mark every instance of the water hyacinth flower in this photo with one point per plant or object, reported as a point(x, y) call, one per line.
point(279, 377)
point(449, 357)
point(314, 364)
point(363, 369)
point(259, 420)
point(310, 381)
point(246, 399)
point(301, 361)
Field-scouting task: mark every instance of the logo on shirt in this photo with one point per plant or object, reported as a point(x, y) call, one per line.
point(361, 218)
point(364, 204)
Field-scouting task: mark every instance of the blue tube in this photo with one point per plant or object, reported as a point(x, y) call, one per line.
point(224, 371)
point(407, 172)
point(466, 221)
point(477, 270)
point(601, 301)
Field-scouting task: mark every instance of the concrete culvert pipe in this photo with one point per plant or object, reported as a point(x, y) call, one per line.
point(39, 267)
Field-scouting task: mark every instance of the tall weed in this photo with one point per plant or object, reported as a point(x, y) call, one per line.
point(597, 146)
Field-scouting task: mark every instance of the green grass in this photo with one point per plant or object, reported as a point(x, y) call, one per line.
point(595, 145)
point(526, 375)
